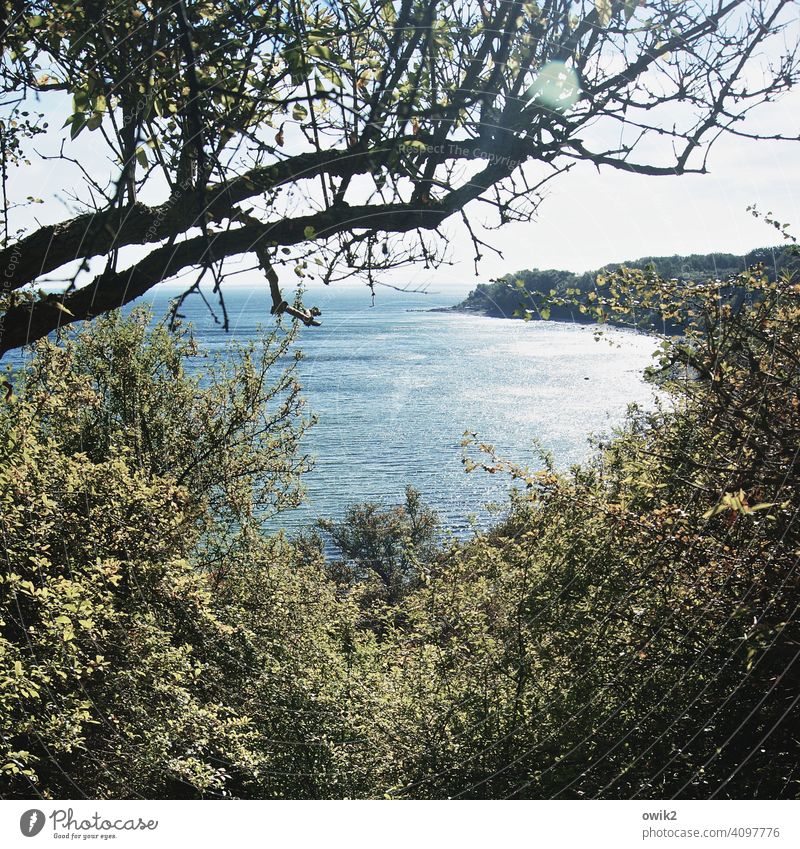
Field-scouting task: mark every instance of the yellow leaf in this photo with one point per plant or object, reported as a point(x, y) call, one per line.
point(603, 8)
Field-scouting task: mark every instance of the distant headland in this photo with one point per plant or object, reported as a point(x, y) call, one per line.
point(519, 295)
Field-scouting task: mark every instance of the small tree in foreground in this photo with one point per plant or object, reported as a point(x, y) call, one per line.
point(152, 642)
point(383, 548)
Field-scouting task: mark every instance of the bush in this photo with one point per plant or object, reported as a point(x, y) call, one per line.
point(134, 626)
point(629, 630)
point(632, 628)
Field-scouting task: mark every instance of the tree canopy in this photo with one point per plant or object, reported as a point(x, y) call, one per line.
point(565, 296)
point(336, 138)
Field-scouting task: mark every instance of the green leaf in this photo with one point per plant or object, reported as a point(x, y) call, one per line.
point(299, 112)
point(388, 12)
point(630, 8)
point(719, 508)
point(78, 122)
point(332, 75)
point(321, 52)
point(296, 61)
point(309, 232)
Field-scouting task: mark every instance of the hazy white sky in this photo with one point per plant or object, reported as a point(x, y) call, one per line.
point(592, 218)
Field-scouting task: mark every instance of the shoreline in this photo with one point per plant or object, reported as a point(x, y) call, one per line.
point(574, 318)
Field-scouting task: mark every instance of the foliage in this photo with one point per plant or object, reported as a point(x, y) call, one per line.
point(120, 639)
point(629, 630)
point(383, 548)
point(659, 589)
point(336, 138)
point(223, 429)
point(583, 298)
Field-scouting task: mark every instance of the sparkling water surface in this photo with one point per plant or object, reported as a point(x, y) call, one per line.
point(395, 387)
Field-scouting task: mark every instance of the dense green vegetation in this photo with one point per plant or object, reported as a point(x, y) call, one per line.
point(566, 296)
point(630, 629)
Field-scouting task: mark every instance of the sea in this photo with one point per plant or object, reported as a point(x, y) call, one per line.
point(395, 385)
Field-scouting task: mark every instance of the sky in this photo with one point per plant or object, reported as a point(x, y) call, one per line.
point(589, 218)
point(592, 218)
